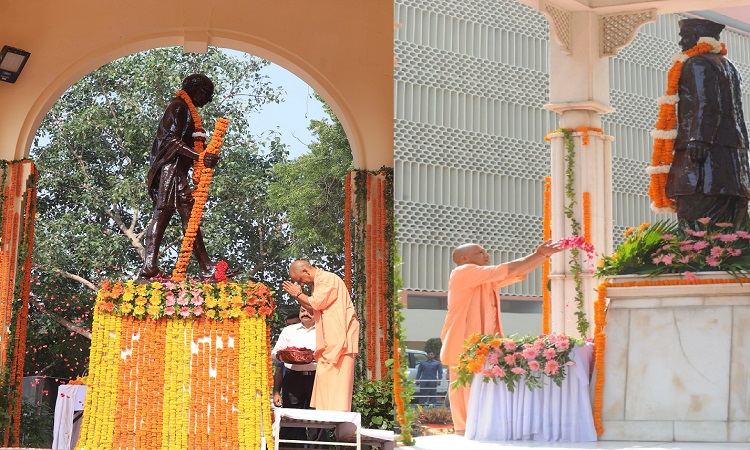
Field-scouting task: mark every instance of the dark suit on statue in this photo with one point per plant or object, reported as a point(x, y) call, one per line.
point(710, 112)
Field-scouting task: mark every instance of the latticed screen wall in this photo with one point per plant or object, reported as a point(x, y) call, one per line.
point(470, 157)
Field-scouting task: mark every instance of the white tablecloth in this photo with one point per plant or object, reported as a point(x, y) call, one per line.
point(551, 413)
point(70, 398)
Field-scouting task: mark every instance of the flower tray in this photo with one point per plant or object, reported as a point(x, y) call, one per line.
point(295, 355)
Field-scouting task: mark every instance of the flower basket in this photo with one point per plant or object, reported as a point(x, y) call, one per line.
point(295, 355)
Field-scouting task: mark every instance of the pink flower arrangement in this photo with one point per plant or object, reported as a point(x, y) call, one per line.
point(532, 360)
point(714, 248)
point(668, 247)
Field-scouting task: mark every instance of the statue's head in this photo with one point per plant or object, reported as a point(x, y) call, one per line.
point(199, 87)
point(693, 29)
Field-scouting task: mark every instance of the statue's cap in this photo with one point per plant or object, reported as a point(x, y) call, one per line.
point(701, 27)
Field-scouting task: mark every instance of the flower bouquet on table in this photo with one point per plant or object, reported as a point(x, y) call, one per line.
point(666, 247)
point(295, 355)
point(512, 359)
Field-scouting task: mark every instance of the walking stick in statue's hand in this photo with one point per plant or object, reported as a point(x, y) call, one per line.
point(202, 176)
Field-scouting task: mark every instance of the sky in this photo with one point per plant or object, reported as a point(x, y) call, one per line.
point(292, 116)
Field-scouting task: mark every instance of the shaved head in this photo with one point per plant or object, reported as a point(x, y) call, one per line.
point(299, 265)
point(301, 271)
point(471, 254)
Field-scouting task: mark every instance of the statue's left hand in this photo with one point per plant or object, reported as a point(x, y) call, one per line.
point(210, 160)
point(697, 151)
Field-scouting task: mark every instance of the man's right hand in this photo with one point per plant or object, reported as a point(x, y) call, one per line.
point(210, 160)
point(277, 399)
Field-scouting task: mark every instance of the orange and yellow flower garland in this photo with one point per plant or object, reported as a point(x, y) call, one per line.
point(586, 200)
point(665, 131)
point(15, 284)
point(200, 196)
point(198, 396)
point(546, 266)
point(199, 134)
point(376, 308)
point(583, 130)
point(600, 338)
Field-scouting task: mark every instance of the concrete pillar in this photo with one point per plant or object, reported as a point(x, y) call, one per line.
point(582, 42)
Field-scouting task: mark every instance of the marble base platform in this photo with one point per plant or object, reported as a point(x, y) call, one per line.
point(677, 362)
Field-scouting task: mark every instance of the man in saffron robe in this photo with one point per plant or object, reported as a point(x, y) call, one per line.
point(337, 333)
point(474, 307)
point(172, 157)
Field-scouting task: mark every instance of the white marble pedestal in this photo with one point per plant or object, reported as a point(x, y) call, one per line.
point(677, 362)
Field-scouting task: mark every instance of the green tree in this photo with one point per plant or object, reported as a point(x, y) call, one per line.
point(92, 151)
point(433, 345)
point(309, 191)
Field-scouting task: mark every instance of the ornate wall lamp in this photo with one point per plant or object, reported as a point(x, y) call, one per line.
point(12, 61)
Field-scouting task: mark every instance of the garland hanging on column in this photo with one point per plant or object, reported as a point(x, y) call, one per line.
point(582, 324)
point(367, 241)
point(16, 280)
point(546, 235)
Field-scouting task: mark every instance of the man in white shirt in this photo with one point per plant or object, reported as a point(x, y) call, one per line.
point(297, 383)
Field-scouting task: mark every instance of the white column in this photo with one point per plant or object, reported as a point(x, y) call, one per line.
point(579, 93)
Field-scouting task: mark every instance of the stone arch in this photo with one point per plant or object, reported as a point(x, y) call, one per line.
point(277, 55)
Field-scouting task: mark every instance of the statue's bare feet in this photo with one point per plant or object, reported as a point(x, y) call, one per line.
point(147, 277)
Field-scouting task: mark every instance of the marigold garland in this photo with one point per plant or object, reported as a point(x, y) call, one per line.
point(192, 371)
point(586, 200)
point(583, 130)
point(582, 324)
point(200, 196)
point(546, 235)
point(15, 284)
point(199, 134)
point(665, 131)
point(600, 321)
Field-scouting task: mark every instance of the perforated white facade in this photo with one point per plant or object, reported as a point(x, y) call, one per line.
point(471, 82)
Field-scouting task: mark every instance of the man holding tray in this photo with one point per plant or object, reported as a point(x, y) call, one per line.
point(297, 384)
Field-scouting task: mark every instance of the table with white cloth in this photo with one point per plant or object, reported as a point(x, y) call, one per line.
point(549, 413)
point(68, 407)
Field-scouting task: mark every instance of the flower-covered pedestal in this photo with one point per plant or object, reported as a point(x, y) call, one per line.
point(179, 365)
point(676, 359)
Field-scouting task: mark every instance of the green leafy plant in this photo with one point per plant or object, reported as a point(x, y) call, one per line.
point(438, 416)
point(373, 399)
point(665, 247)
point(633, 256)
point(37, 420)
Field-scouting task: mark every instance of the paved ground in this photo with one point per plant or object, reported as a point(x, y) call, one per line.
point(454, 442)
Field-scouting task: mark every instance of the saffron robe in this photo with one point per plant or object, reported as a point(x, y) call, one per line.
point(337, 343)
point(473, 307)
